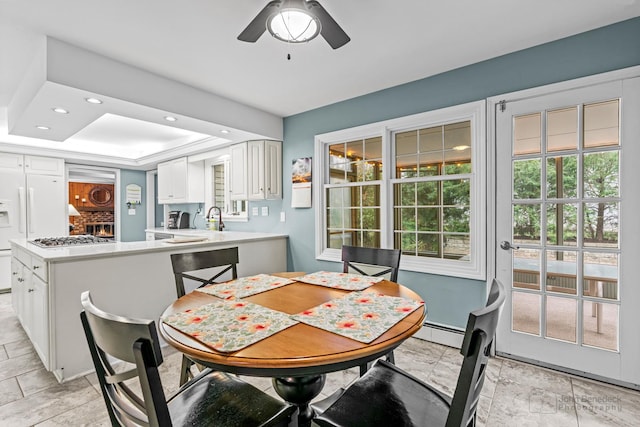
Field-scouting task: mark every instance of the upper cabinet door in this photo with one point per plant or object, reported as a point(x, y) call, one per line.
point(10, 162)
point(165, 192)
point(238, 172)
point(273, 169)
point(43, 165)
point(181, 181)
point(255, 170)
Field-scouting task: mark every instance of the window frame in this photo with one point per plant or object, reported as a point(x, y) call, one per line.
point(475, 112)
point(209, 189)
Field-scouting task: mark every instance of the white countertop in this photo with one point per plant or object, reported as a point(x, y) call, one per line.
point(98, 250)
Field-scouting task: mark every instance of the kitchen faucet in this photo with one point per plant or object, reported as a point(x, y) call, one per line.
point(220, 223)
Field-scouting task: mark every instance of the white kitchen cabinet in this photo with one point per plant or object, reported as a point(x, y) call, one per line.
point(273, 170)
point(51, 313)
point(30, 299)
point(181, 181)
point(238, 172)
point(37, 307)
point(17, 278)
point(31, 164)
point(256, 170)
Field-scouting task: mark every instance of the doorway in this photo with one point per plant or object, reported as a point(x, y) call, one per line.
point(93, 201)
point(565, 200)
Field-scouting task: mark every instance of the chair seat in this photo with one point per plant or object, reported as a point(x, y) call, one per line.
point(384, 396)
point(220, 399)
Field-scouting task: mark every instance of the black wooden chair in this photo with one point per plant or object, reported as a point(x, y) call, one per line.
point(355, 258)
point(191, 262)
point(388, 396)
point(212, 398)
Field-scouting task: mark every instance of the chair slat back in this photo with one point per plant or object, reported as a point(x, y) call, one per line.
point(194, 261)
point(115, 339)
point(390, 258)
point(476, 349)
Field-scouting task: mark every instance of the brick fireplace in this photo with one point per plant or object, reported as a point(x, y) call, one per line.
point(96, 211)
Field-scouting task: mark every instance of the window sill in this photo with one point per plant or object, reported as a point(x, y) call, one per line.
point(423, 265)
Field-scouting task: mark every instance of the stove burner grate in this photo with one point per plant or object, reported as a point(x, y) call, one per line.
point(52, 242)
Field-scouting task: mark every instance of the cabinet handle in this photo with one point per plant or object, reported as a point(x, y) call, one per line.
point(30, 290)
point(15, 273)
point(35, 267)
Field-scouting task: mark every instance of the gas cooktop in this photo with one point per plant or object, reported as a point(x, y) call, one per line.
point(56, 242)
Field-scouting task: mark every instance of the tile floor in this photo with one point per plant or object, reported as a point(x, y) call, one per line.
point(514, 393)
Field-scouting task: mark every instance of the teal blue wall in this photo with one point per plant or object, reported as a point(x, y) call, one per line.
point(133, 226)
point(449, 299)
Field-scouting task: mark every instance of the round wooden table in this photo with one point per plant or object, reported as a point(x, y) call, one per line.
point(298, 357)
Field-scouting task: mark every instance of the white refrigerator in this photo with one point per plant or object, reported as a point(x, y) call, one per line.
point(31, 206)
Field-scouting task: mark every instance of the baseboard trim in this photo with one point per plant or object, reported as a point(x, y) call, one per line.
point(570, 371)
point(440, 334)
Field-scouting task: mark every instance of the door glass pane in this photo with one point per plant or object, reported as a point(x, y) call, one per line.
point(526, 268)
point(562, 270)
point(526, 223)
point(561, 318)
point(601, 124)
point(562, 224)
point(526, 179)
point(601, 225)
point(526, 138)
point(562, 129)
point(562, 177)
point(600, 325)
point(601, 175)
point(600, 274)
point(526, 313)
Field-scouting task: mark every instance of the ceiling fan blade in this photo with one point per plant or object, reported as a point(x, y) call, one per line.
point(259, 24)
point(331, 31)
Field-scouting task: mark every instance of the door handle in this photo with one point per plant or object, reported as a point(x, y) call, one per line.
point(504, 245)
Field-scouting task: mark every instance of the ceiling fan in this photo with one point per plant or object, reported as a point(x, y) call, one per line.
point(295, 21)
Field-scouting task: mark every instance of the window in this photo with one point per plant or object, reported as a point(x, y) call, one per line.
point(353, 193)
point(416, 183)
point(432, 191)
point(217, 178)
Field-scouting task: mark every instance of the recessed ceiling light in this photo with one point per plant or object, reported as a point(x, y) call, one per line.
point(93, 100)
point(170, 118)
point(60, 110)
point(43, 127)
point(225, 131)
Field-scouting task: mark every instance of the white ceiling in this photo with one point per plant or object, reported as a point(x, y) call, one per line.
point(194, 42)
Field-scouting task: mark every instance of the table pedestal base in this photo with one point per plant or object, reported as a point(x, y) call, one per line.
point(300, 391)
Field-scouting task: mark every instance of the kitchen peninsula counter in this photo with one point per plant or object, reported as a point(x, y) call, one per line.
point(99, 250)
point(133, 279)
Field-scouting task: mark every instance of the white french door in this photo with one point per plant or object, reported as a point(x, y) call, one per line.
point(567, 229)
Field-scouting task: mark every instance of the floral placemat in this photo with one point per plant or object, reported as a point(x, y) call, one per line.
point(230, 325)
point(362, 316)
point(245, 286)
point(346, 281)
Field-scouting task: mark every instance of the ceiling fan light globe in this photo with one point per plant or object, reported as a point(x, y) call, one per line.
point(293, 26)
